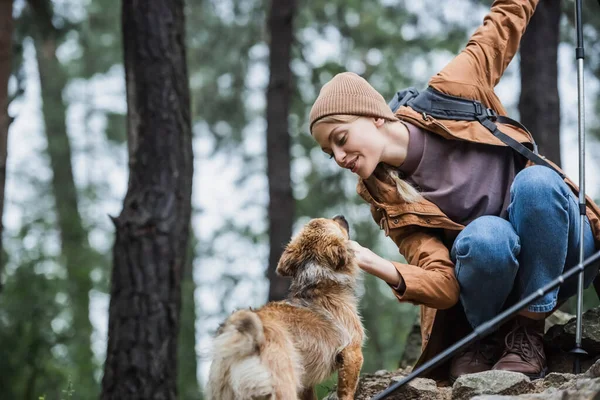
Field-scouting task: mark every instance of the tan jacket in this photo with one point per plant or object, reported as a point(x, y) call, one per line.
point(422, 232)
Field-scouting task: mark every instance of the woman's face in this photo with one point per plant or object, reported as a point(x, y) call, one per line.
point(357, 145)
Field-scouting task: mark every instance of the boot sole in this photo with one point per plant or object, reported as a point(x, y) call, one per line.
point(541, 375)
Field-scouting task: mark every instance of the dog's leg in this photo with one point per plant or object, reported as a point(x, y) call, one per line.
point(285, 391)
point(279, 357)
point(308, 394)
point(351, 363)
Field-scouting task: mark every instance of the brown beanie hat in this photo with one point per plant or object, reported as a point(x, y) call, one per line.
point(348, 93)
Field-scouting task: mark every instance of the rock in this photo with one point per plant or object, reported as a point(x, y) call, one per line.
point(489, 385)
point(560, 384)
point(561, 361)
point(500, 397)
point(563, 336)
point(557, 318)
point(371, 384)
point(554, 380)
point(580, 389)
point(560, 339)
point(536, 396)
point(583, 389)
point(491, 382)
point(594, 370)
point(417, 389)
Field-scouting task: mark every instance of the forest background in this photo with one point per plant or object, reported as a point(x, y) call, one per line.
point(253, 67)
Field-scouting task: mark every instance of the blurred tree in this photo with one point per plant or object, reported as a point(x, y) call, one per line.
point(6, 48)
point(74, 241)
point(187, 365)
point(539, 104)
point(281, 200)
point(153, 227)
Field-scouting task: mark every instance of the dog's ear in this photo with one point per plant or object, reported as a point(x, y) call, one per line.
point(338, 255)
point(288, 262)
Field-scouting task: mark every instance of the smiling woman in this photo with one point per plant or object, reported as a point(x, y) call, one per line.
point(479, 226)
point(362, 144)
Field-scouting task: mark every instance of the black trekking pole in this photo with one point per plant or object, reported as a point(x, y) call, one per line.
point(578, 351)
point(484, 329)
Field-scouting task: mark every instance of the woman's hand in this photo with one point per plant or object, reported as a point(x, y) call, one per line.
point(376, 265)
point(364, 256)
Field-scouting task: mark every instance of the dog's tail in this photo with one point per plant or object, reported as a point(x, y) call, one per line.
point(241, 336)
point(236, 371)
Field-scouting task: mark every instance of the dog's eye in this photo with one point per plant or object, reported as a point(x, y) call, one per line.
point(339, 358)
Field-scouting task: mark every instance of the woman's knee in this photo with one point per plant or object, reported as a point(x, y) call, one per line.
point(487, 244)
point(536, 182)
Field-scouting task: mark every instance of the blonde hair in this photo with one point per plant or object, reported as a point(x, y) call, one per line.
point(408, 193)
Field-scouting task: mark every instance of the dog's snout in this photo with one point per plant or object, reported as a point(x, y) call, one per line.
point(340, 219)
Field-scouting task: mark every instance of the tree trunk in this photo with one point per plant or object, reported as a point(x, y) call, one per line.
point(281, 199)
point(152, 230)
point(539, 104)
point(6, 29)
point(74, 241)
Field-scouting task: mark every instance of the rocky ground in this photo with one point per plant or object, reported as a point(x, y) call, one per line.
point(559, 384)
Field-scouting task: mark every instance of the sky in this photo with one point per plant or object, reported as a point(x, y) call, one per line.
point(106, 165)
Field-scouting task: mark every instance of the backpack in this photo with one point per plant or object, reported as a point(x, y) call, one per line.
point(443, 106)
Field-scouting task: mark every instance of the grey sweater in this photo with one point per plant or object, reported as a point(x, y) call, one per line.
point(465, 180)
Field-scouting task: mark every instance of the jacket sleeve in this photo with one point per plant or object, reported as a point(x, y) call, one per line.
point(429, 275)
point(492, 46)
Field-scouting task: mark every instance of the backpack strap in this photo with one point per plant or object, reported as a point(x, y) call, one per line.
point(533, 156)
point(403, 97)
point(443, 106)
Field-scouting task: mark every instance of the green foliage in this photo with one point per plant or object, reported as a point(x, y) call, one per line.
point(114, 127)
point(221, 43)
point(33, 331)
point(68, 392)
point(325, 387)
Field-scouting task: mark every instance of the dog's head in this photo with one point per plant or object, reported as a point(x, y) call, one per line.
point(320, 246)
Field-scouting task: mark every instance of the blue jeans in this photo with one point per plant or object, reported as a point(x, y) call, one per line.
point(495, 257)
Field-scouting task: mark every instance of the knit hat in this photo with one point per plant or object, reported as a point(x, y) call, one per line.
point(348, 93)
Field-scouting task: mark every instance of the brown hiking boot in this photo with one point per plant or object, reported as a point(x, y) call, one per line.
point(478, 357)
point(524, 349)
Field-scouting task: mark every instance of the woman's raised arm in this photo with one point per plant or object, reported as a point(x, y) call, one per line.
point(490, 49)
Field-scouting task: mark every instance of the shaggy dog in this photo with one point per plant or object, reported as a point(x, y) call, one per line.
point(282, 350)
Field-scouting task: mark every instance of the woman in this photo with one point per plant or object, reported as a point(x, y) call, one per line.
point(478, 225)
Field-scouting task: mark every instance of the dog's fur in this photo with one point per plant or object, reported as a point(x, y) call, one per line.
point(283, 349)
